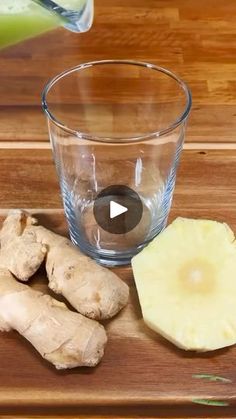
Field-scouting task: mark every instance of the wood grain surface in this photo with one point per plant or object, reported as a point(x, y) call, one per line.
point(198, 43)
point(205, 183)
point(141, 375)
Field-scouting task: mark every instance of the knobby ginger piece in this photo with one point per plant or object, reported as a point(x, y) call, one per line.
point(91, 289)
point(20, 253)
point(62, 337)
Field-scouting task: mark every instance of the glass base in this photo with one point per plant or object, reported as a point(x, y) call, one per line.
point(113, 250)
point(108, 259)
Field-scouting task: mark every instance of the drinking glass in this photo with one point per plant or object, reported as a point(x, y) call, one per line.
point(116, 123)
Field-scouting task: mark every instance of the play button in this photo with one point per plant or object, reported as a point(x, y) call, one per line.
point(118, 209)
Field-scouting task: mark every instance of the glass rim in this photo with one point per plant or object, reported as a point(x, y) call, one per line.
point(147, 136)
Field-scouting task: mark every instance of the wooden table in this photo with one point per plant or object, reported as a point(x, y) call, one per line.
point(193, 39)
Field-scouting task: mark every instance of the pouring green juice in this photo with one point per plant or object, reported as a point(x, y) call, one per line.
point(22, 19)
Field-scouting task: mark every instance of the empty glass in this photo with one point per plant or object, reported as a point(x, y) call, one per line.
point(116, 123)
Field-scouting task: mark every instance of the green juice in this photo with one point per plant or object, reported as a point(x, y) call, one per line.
point(22, 19)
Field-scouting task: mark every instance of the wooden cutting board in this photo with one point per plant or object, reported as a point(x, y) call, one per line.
point(141, 374)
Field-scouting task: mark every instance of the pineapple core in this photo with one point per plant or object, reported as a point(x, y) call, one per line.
point(186, 283)
point(197, 276)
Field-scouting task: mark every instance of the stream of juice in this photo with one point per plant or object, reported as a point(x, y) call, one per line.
point(22, 19)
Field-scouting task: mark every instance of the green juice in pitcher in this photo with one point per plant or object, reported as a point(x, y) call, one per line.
point(22, 19)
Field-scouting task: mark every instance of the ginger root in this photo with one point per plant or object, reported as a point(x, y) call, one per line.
point(91, 289)
point(64, 338)
point(20, 252)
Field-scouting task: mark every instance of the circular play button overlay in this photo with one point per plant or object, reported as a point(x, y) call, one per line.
point(118, 209)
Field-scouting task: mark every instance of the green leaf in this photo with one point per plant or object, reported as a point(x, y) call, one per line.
point(207, 402)
point(211, 377)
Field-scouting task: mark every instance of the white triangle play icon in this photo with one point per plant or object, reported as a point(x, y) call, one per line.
point(116, 209)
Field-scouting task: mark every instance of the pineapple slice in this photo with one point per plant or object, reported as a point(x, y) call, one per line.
point(186, 282)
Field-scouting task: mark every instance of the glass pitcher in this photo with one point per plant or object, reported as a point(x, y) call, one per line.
point(22, 19)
